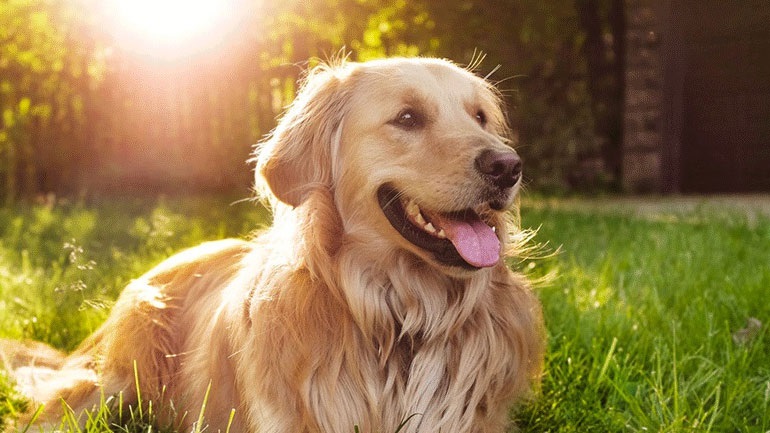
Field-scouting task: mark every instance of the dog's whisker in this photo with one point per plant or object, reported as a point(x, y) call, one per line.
point(492, 72)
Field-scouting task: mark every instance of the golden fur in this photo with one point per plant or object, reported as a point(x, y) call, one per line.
point(329, 319)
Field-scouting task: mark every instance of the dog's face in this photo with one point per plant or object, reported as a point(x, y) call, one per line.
point(415, 153)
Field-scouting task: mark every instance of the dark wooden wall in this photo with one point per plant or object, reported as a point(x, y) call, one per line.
point(725, 94)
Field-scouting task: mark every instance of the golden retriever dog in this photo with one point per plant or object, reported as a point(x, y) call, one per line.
point(379, 296)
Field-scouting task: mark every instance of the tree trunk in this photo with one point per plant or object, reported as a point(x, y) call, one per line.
point(605, 53)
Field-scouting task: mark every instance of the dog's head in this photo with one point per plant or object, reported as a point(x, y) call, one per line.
point(414, 152)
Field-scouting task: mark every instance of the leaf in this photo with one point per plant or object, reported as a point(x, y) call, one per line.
point(24, 106)
point(8, 118)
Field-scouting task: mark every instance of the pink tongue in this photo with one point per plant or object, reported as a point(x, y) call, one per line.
point(475, 241)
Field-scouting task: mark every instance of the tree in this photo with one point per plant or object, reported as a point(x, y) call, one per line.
point(81, 112)
point(46, 66)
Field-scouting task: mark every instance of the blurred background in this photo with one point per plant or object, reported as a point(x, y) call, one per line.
point(106, 97)
point(125, 126)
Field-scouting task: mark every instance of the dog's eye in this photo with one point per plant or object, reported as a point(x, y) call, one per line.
point(408, 119)
point(481, 117)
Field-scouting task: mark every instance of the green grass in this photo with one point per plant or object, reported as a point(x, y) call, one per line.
point(641, 317)
point(640, 310)
point(61, 267)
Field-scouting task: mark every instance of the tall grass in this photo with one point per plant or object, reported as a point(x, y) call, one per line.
point(640, 316)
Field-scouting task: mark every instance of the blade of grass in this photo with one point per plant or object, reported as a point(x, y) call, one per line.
point(198, 424)
point(230, 420)
point(607, 360)
point(138, 391)
point(34, 418)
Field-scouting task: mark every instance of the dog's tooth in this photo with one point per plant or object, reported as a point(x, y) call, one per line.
point(494, 229)
point(420, 219)
point(429, 228)
point(441, 234)
point(412, 208)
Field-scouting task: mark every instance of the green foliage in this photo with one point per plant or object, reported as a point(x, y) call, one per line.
point(82, 113)
point(47, 60)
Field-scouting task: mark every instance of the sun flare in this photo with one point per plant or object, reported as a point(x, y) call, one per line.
point(169, 28)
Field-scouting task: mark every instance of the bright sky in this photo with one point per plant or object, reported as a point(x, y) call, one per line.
point(169, 29)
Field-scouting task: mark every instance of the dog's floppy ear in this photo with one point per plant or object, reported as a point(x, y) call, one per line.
point(297, 155)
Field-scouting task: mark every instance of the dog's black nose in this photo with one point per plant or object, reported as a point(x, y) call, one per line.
point(501, 168)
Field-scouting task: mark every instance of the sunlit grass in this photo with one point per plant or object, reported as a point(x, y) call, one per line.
point(641, 321)
point(61, 267)
point(640, 318)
